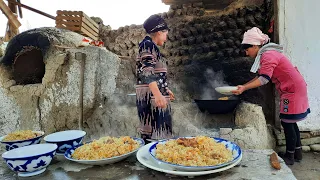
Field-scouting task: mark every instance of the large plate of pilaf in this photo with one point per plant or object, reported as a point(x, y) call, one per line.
point(106, 150)
point(198, 153)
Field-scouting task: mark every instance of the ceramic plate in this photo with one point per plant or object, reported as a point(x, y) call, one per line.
point(234, 148)
point(226, 90)
point(146, 159)
point(70, 151)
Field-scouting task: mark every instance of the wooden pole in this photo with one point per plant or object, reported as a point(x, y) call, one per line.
point(276, 40)
point(33, 9)
point(20, 10)
point(81, 56)
point(9, 14)
point(11, 31)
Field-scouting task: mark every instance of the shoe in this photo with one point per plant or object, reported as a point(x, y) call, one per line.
point(145, 138)
point(287, 157)
point(298, 154)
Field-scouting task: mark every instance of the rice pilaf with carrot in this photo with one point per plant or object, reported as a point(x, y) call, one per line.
point(105, 147)
point(21, 135)
point(197, 151)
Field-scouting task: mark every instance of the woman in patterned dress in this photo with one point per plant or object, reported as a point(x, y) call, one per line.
point(153, 95)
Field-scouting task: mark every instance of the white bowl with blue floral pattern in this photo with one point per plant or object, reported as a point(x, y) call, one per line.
point(234, 148)
point(20, 143)
point(69, 152)
point(30, 160)
point(65, 139)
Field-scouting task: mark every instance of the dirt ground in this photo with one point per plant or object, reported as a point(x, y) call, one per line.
point(308, 168)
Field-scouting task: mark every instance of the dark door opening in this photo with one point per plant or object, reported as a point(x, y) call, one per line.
point(28, 67)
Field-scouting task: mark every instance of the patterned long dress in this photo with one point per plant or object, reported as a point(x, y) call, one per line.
point(155, 123)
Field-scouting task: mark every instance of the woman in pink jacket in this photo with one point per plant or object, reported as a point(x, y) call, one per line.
point(272, 65)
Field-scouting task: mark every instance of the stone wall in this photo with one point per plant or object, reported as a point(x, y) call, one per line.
point(250, 133)
point(310, 140)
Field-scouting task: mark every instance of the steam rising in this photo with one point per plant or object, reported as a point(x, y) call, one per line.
point(214, 79)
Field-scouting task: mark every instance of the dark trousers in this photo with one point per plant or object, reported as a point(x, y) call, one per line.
point(292, 134)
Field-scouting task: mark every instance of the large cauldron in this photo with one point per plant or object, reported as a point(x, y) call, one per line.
point(218, 106)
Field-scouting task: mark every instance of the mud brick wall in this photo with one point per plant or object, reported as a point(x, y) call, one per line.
point(199, 40)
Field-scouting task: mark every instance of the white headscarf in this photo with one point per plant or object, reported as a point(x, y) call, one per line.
point(254, 36)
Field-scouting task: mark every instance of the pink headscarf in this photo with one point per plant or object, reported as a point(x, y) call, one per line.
point(254, 36)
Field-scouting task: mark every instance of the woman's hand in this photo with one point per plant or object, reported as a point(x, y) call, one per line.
point(171, 95)
point(240, 90)
point(160, 101)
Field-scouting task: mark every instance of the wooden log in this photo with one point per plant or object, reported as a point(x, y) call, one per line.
point(236, 53)
point(223, 25)
point(32, 9)
point(20, 10)
point(227, 34)
point(250, 20)
point(194, 31)
point(211, 55)
point(199, 40)
point(185, 33)
point(237, 43)
point(9, 14)
point(232, 24)
point(222, 44)
point(199, 49)
point(230, 42)
point(217, 36)
point(214, 46)
point(237, 33)
point(184, 41)
point(192, 50)
point(242, 12)
point(274, 161)
point(206, 48)
point(228, 52)
point(170, 13)
point(191, 40)
point(241, 22)
point(219, 54)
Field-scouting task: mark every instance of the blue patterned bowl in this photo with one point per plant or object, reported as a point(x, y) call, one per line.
point(30, 160)
point(16, 144)
point(234, 148)
point(65, 139)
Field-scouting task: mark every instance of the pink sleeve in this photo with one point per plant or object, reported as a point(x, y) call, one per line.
point(267, 64)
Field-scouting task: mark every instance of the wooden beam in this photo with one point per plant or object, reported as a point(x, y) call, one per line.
point(217, 4)
point(9, 14)
point(20, 10)
point(276, 100)
point(171, 2)
point(12, 7)
point(208, 4)
point(32, 9)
